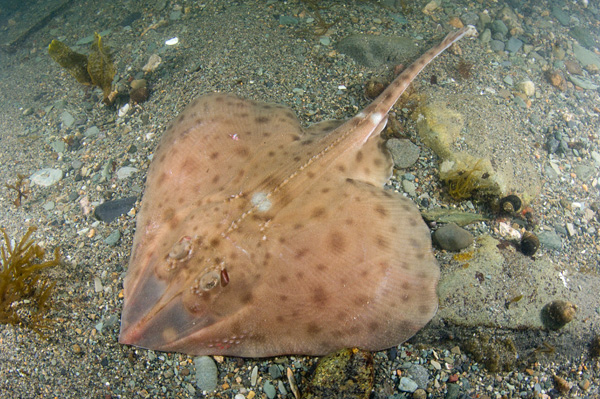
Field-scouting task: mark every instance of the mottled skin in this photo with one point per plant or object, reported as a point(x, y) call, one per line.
point(259, 238)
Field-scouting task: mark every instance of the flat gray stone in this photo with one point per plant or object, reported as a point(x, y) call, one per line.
point(206, 373)
point(125, 172)
point(585, 56)
point(404, 152)
point(407, 385)
point(67, 119)
point(46, 177)
point(550, 239)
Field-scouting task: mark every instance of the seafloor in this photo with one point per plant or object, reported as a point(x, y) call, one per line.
point(541, 138)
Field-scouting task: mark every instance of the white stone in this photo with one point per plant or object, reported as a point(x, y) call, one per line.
point(46, 177)
point(527, 87)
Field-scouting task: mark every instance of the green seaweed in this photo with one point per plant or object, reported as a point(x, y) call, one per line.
point(97, 69)
point(24, 292)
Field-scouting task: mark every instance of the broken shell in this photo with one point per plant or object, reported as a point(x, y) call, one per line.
point(510, 203)
point(529, 243)
point(558, 313)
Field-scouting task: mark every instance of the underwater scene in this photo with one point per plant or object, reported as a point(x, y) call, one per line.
point(384, 199)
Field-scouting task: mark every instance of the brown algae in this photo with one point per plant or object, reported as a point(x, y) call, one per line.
point(24, 291)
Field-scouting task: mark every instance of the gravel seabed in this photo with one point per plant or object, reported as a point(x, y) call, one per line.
point(246, 48)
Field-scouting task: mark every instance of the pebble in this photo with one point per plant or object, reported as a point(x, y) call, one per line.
point(453, 238)
point(583, 83)
point(571, 229)
point(275, 371)
point(418, 374)
point(206, 373)
point(527, 87)
point(269, 390)
point(110, 210)
point(325, 40)
point(125, 171)
point(46, 177)
point(453, 391)
point(409, 188)
point(404, 152)
point(67, 119)
point(497, 45)
point(498, 26)
point(113, 238)
point(91, 131)
point(550, 240)
point(513, 45)
point(254, 376)
point(585, 56)
point(407, 385)
point(596, 158)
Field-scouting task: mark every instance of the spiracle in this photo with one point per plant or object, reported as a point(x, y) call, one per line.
point(210, 280)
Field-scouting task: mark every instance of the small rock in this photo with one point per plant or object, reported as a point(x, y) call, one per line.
point(419, 394)
point(46, 177)
point(452, 238)
point(409, 188)
point(404, 152)
point(407, 385)
point(254, 376)
point(499, 26)
point(113, 238)
point(110, 210)
point(550, 239)
point(67, 119)
point(91, 131)
point(571, 231)
point(153, 63)
point(497, 45)
point(206, 373)
point(269, 390)
point(527, 87)
point(513, 45)
point(125, 172)
point(275, 371)
point(453, 391)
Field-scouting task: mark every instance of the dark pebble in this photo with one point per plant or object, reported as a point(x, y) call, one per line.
point(452, 238)
point(110, 210)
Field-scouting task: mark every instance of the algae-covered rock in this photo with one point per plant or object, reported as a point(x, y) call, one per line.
point(97, 69)
point(346, 374)
point(467, 177)
point(497, 354)
point(439, 127)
